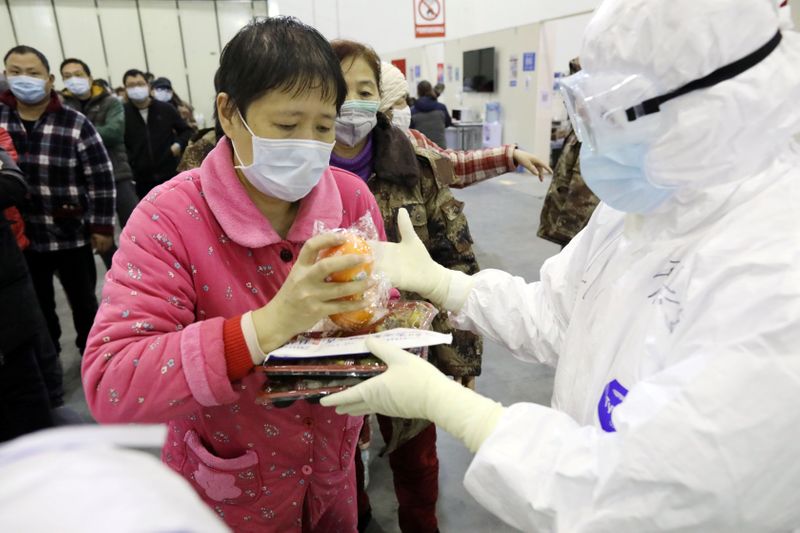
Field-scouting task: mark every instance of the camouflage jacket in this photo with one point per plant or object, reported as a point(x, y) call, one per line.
point(569, 202)
point(417, 179)
point(198, 148)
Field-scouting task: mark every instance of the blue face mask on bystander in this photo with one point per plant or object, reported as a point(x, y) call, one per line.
point(28, 89)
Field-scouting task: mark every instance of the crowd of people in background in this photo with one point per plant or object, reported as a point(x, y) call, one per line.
point(85, 153)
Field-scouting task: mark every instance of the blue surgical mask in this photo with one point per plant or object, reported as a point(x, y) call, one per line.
point(356, 119)
point(618, 179)
point(28, 89)
point(77, 85)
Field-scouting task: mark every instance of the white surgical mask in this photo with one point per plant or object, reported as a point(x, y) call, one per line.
point(77, 85)
point(137, 94)
point(162, 95)
point(401, 118)
point(355, 121)
point(287, 169)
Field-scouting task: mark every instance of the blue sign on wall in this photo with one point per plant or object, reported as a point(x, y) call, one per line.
point(529, 61)
point(417, 71)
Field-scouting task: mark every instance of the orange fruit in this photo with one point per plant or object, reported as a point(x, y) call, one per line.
point(352, 320)
point(353, 245)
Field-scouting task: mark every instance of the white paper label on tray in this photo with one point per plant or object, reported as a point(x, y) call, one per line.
point(328, 347)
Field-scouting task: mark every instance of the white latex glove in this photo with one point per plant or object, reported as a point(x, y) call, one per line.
point(305, 297)
point(410, 268)
point(413, 388)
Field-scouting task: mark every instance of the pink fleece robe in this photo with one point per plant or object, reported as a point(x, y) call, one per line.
point(195, 252)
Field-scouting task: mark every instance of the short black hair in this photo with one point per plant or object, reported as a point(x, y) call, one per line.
point(132, 73)
point(23, 49)
point(83, 65)
point(424, 89)
point(282, 53)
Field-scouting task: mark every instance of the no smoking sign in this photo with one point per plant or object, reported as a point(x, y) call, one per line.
point(429, 18)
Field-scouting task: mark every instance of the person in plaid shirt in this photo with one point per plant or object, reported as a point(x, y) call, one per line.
point(471, 166)
point(71, 205)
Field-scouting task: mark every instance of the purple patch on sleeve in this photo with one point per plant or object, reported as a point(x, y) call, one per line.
point(612, 396)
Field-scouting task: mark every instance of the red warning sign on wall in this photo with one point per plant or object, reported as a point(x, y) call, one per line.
point(429, 18)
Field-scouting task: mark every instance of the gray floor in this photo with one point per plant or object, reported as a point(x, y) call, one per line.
point(504, 216)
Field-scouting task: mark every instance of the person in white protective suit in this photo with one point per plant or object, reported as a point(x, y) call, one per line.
point(673, 319)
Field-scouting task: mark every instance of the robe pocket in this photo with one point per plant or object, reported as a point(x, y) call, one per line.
point(233, 481)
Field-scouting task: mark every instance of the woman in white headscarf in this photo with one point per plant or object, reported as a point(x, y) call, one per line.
point(471, 166)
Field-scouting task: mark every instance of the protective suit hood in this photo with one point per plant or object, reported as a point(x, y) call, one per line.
point(713, 138)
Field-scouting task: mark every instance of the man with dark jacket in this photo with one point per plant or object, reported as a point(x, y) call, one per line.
point(24, 402)
point(108, 117)
point(155, 134)
point(429, 115)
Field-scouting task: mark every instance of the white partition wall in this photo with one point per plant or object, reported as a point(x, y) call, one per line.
point(177, 39)
point(122, 37)
point(519, 103)
point(389, 24)
point(326, 18)
point(80, 35)
point(35, 24)
point(231, 16)
point(162, 43)
point(7, 31)
point(527, 98)
point(201, 45)
point(260, 8)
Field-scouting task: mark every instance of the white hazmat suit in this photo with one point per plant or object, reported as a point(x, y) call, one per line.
point(675, 334)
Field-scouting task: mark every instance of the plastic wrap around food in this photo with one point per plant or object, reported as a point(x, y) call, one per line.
point(289, 380)
point(376, 297)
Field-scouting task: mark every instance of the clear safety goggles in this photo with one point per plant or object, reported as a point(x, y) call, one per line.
point(598, 106)
point(609, 110)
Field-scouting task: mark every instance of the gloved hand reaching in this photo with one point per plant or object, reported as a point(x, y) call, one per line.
point(413, 388)
point(410, 268)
